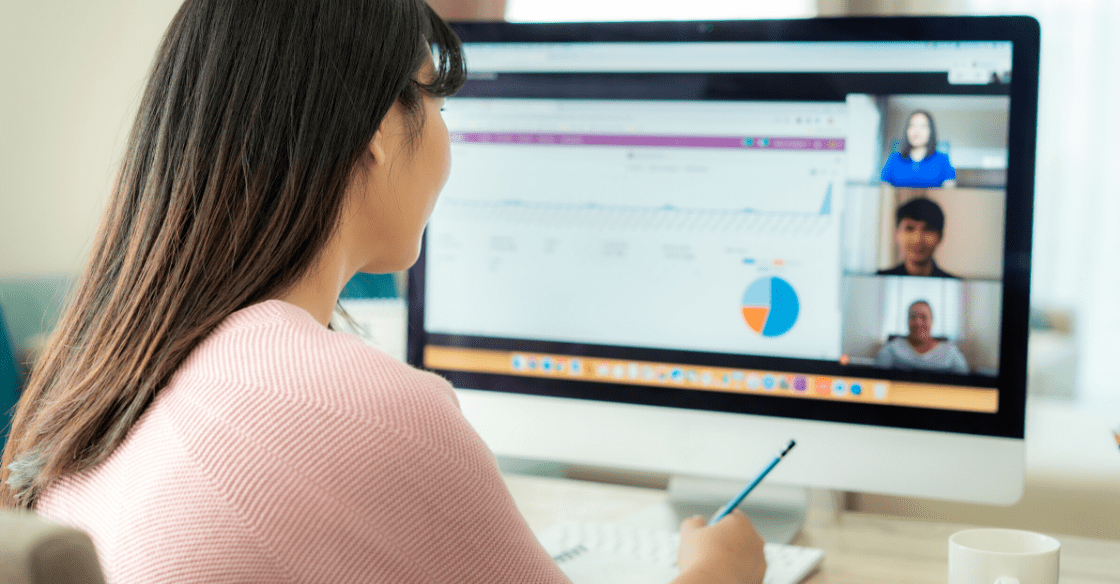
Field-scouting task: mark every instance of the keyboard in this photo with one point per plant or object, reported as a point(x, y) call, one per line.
point(592, 553)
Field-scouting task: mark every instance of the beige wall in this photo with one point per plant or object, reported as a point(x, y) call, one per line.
point(961, 120)
point(72, 74)
point(469, 9)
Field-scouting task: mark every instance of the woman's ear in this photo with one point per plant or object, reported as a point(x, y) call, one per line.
point(377, 147)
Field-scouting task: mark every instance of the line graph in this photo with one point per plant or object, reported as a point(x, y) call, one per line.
point(664, 218)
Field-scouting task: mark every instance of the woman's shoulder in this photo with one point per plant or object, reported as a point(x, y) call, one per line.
point(276, 425)
point(891, 166)
point(949, 349)
point(940, 158)
point(898, 343)
point(906, 352)
point(279, 355)
point(279, 334)
point(275, 383)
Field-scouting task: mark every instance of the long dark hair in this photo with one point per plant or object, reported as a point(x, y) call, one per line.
point(254, 118)
point(931, 146)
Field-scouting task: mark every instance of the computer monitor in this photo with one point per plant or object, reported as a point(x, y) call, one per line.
point(674, 246)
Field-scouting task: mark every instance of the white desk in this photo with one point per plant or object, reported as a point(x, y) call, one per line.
point(859, 548)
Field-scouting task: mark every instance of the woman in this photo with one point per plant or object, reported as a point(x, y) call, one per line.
point(920, 350)
point(918, 164)
point(193, 412)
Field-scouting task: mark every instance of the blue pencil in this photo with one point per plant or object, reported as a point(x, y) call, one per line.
point(733, 503)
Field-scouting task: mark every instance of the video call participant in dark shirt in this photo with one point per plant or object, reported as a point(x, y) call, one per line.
point(919, 226)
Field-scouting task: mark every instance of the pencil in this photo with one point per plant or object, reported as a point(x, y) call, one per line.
point(733, 503)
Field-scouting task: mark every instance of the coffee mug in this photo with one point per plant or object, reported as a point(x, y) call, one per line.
point(1002, 556)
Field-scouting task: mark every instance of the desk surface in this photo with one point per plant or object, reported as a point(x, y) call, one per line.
point(859, 548)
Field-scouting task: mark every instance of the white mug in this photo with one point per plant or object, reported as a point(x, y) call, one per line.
point(1002, 556)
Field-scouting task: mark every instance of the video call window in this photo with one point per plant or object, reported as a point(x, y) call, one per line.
point(960, 315)
point(924, 234)
point(945, 141)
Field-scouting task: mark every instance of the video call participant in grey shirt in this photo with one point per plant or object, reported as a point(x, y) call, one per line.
point(919, 350)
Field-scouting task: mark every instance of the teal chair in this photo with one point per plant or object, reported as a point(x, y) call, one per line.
point(370, 286)
point(10, 383)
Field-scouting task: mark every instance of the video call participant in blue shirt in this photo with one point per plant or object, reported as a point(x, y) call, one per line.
point(918, 164)
point(919, 226)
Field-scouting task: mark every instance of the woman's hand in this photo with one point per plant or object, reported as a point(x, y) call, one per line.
point(728, 552)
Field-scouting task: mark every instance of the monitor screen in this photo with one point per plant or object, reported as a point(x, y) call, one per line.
point(819, 220)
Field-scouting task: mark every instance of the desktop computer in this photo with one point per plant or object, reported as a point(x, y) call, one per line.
point(672, 247)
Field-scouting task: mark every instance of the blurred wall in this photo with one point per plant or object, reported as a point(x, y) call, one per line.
point(73, 74)
point(469, 9)
point(73, 71)
point(878, 7)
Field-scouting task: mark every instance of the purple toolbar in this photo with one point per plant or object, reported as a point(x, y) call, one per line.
point(628, 140)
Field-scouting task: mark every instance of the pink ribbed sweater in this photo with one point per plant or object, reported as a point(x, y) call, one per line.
point(283, 452)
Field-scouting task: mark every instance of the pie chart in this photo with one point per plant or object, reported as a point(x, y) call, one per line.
point(770, 306)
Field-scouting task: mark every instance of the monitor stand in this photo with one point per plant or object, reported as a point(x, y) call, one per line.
point(777, 511)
